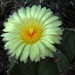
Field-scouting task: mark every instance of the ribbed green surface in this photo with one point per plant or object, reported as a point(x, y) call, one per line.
point(67, 45)
point(44, 67)
point(65, 54)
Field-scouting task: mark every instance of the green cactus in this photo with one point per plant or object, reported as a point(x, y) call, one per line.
point(59, 64)
point(62, 59)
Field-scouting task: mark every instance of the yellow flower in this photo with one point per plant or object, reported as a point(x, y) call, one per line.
point(31, 33)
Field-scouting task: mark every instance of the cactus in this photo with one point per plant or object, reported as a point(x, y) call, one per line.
point(55, 66)
point(65, 54)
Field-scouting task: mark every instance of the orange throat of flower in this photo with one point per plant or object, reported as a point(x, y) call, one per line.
point(31, 34)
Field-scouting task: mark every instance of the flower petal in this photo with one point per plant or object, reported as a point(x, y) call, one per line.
point(13, 53)
point(15, 16)
point(33, 9)
point(37, 11)
point(28, 10)
point(14, 46)
point(37, 58)
point(46, 16)
point(53, 29)
point(9, 36)
point(19, 50)
point(41, 50)
point(48, 33)
point(55, 39)
point(42, 11)
point(22, 13)
point(50, 20)
point(50, 54)
point(49, 45)
point(25, 53)
point(53, 24)
point(47, 38)
point(25, 60)
point(9, 43)
point(34, 51)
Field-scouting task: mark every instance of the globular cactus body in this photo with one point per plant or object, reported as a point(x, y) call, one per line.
point(58, 65)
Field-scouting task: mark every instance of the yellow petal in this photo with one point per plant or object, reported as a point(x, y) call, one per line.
point(14, 46)
point(28, 10)
point(49, 45)
point(37, 12)
point(22, 14)
point(33, 9)
point(25, 60)
point(41, 13)
point(46, 16)
point(13, 54)
point(50, 54)
point(56, 39)
point(54, 24)
point(50, 20)
point(37, 58)
point(9, 43)
point(47, 38)
point(25, 53)
point(15, 16)
point(19, 50)
point(34, 50)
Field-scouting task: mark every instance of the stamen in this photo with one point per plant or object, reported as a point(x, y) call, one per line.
point(31, 30)
point(31, 34)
